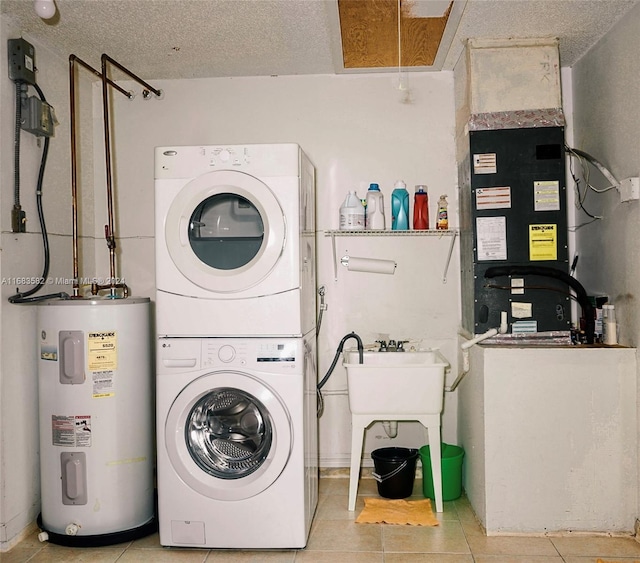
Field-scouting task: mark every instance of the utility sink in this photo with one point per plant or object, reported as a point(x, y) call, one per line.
point(395, 383)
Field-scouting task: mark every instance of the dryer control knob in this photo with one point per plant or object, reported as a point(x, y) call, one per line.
point(224, 155)
point(226, 353)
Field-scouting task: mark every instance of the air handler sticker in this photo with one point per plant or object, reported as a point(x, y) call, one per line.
point(543, 242)
point(103, 351)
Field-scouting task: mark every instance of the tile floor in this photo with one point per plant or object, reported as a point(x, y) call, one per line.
point(336, 538)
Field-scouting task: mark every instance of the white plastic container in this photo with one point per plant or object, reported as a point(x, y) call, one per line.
point(96, 420)
point(609, 326)
point(352, 216)
point(375, 208)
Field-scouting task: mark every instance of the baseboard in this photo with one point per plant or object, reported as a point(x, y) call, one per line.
point(20, 536)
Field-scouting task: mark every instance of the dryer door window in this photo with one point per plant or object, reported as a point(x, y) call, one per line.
point(225, 231)
point(228, 435)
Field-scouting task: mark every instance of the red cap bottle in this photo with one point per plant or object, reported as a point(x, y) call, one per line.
point(421, 209)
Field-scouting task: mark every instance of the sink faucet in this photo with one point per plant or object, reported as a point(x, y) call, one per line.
point(392, 346)
point(383, 345)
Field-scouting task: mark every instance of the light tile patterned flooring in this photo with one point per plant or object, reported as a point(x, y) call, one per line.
point(336, 538)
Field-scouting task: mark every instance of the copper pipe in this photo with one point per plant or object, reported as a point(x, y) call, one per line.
point(109, 228)
point(95, 288)
point(74, 161)
point(139, 80)
point(74, 174)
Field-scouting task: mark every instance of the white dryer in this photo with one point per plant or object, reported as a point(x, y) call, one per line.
point(237, 441)
point(235, 240)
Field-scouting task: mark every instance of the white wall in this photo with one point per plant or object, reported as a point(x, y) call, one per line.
point(607, 120)
point(356, 130)
point(21, 256)
point(606, 85)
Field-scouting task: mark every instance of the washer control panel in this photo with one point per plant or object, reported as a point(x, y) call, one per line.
point(275, 355)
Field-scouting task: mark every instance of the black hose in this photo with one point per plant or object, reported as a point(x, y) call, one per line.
point(338, 352)
point(16, 146)
point(581, 294)
point(25, 297)
point(333, 365)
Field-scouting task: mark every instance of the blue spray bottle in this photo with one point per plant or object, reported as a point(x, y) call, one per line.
point(400, 207)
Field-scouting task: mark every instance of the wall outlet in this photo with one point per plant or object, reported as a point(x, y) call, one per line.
point(629, 189)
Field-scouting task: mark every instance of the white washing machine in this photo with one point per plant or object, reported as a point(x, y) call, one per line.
point(237, 441)
point(235, 240)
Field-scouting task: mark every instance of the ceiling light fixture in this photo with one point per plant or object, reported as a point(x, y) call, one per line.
point(46, 9)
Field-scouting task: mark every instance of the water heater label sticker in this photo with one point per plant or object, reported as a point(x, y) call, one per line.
point(485, 163)
point(543, 242)
point(546, 196)
point(71, 431)
point(102, 384)
point(492, 238)
point(493, 198)
point(49, 352)
point(103, 352)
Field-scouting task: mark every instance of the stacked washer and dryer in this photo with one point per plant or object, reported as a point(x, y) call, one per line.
point(236, 348)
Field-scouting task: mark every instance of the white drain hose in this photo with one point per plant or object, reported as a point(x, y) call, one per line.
point(472, 342)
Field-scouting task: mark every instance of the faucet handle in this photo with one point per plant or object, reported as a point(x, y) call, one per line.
point(383, 345)
point(401, 344)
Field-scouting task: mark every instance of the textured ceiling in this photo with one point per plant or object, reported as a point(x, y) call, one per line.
point(214, 38)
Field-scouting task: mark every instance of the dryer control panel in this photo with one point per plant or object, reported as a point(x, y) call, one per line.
point(262, 160)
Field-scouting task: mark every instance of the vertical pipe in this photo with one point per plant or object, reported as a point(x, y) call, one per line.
point(111, 241)
point(109, 229)
point(74, 176)
point(74, 160)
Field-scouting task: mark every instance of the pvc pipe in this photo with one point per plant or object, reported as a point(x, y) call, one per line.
point(491, 332)
point(390, 427)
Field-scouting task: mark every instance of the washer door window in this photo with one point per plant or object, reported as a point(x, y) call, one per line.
point(228, 435)
point(225, 231)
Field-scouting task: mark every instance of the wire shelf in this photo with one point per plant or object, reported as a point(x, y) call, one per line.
point(389, 233)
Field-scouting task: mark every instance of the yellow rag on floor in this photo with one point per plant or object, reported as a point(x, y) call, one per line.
point(413, 512)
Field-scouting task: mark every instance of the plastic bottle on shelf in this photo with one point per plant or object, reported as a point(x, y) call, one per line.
point(421, 209)
point(442, 217)
point(352, 213)
point(400, 207)
point(609, 326)
point(375, 208)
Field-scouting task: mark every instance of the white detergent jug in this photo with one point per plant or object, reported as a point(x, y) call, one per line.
point(352, 213)
point(375, 208)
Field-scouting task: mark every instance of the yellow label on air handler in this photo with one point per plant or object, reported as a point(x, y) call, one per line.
point(543, 242)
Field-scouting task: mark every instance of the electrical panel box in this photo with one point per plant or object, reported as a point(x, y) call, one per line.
point(22, 61)
point(38, 117)
point(513, 213)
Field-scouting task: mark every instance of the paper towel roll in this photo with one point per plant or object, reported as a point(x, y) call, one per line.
point(372, 265)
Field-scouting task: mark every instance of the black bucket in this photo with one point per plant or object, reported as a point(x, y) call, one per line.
point(395, 471)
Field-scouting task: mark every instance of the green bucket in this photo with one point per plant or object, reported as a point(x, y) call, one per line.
point(451, 460)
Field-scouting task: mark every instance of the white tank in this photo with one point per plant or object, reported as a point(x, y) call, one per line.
point(96, 423)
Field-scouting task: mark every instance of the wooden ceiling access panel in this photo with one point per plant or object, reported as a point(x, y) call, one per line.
point(370, 34)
